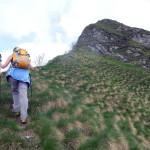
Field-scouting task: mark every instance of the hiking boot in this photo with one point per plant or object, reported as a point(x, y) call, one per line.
point(23, 122)
point(16, 114)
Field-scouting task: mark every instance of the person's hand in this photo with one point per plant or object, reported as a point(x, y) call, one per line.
point(31, 67)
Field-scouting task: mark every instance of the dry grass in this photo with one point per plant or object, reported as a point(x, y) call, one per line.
point(78, 112)
point(119, 144)
point(60, 103)
point(133, 129)
point(144, 141)
point(57, 116)
point(41, 86)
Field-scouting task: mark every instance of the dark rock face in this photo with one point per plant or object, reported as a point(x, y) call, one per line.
point(109, 37)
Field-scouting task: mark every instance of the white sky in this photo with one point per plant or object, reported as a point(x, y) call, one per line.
point(50, 27)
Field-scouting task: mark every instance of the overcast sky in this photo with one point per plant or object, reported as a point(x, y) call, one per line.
point(50, 27)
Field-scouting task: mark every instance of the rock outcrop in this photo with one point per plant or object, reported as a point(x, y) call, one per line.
point(109, 37)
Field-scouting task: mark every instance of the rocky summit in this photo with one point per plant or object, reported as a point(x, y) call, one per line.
point(109, 37)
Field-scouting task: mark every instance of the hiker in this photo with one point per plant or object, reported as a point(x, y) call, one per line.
point(19, 80)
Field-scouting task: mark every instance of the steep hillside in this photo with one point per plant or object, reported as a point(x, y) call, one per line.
point(109, 37)
point(81, 101)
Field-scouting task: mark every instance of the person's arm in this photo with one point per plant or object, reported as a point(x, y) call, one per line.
point(8, 60)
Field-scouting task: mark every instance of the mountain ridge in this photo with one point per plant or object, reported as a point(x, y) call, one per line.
point(109, 37)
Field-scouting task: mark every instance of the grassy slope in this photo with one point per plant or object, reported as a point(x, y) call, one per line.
point(82, 101)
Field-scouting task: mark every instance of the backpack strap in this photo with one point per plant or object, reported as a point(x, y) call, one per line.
point(16, 49)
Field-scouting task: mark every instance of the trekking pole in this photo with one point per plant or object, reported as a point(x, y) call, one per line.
point(0, 75)
point(30, 84)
